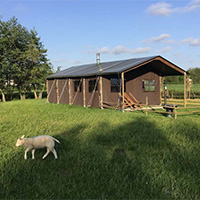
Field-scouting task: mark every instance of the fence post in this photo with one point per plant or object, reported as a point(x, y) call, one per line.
point(185, 90)
point(123, 91)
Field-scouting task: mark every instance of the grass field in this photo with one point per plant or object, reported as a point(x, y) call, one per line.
point(180, 87)
point(104, 154)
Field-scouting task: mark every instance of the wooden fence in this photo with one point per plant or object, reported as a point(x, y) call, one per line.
point(175, 107)
point(191, 106)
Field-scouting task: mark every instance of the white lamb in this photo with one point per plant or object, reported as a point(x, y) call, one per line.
point(38, 142)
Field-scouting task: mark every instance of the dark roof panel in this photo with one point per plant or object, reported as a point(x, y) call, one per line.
point(104, 68)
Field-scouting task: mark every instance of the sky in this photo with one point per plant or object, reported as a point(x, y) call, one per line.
point(73, 31)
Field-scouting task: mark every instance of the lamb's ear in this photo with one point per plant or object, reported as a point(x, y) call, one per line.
point(22, 137)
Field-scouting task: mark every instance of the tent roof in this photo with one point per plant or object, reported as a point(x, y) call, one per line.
point(158, 64)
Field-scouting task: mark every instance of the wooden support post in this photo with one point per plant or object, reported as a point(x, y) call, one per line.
point(147, 102)
point(101, 91)
point(50, 90)
point(47, 86)
point(185, 90)
point(61, 94)
point(70, 92)
point(57, 92)
point(175, 113)
point(84, 98)
point(160, 78)
point(123, 91)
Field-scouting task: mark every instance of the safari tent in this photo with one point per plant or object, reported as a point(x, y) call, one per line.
point(109, 84)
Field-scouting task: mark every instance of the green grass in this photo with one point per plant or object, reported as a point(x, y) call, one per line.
point(180, 87)
point(104, 154)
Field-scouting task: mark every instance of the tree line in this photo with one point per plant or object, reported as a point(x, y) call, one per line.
point(24, 66)
point(194, 75)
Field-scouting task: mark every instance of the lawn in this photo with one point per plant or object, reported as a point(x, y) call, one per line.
point(103, 154)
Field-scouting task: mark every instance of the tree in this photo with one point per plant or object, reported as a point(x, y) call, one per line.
point(39, 64)
point(195, 74)
point(23, 60)
point(11, 43)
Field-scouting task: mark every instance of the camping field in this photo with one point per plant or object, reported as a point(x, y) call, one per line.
point(103, 154)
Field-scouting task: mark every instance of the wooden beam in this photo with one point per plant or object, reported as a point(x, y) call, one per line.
point(78, 90)
point(50, 90)
point(84, 97)
point(57, 92)
point(122, 91)
point(61, 94)
point(160, 59)
point(47, 86)
point(185, 90)
point(70, 92)
point(101, 92)
point(93, 93)
point(160, 79)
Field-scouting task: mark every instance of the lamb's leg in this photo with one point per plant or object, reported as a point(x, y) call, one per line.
point(46, 154)
point(54, 152)
point(25, 154)
point(33, 154)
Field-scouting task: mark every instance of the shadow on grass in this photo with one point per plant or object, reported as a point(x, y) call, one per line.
point(135, 160)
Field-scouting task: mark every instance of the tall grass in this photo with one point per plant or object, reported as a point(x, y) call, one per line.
point(103, 154)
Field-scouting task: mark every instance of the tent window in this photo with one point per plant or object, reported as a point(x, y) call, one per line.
point(92, 84)
point(77, 86)
point(116, 84)
point(148, 85)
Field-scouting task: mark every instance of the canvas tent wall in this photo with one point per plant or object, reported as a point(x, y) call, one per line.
point(96, 81)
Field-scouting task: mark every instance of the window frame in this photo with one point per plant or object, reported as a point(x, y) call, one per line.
point(119, 86)
point(149, 85)
point(77, 86)
point(115, 88)
point(91, 86)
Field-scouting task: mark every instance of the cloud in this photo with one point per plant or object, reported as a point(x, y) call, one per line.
point(158, 38)
point(103, 50)
point(120, 50)
point(191, 41)
point(123, 49)
point(74, 62)
point(169, 41)
point(141, 50)
point(195, 42)
point(165, 9)
point(164, 50)
point(160, 9)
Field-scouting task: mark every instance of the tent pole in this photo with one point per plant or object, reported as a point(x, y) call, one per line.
point(50, 90)
point(57, 92)
point(185, 90)
point(101, 92)
point(84, 99)
point(70, 94)
point(47, 86)
point(160, 89)
point(92, 96)
point(122, 91)
point(62, 91)
point(78, 89)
